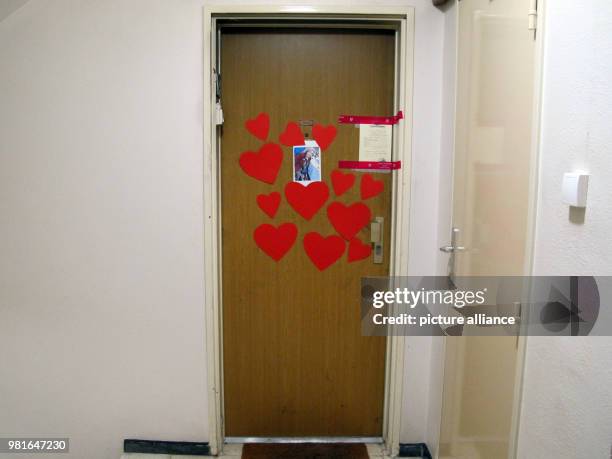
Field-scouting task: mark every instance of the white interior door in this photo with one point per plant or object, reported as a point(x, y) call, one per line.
point(492, 167)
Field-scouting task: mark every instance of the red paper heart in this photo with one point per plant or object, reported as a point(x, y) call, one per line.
point(341, 182)
point(275, 242)
point(269, 202)
point(263, 165)
point(348, 220)
point(371, 187)
point(292, 135)
point(358, 250)
point(306, 200)
point(324, 135)
point(323, 251)
point(259, 126)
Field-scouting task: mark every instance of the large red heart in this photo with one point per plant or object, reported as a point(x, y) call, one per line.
point(358, 250)
point(275, 242)
point(371, 187)
point(341, 182)
point(324, 135)
point(323, 251)
point(348, 220)
point(306, 200)
point(263, 165)
point(269, 203)
point(292, 135)
point(259, 126)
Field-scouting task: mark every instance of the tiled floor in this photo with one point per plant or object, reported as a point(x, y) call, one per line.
point(235, 451)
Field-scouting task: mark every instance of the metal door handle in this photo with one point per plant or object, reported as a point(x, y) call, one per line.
point(376, 237)
point(451, 249)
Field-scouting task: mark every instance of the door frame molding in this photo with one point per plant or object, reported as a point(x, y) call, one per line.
point(400, 224)
point(534, 186)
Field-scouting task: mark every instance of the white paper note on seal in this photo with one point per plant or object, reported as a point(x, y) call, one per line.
point(375, 142)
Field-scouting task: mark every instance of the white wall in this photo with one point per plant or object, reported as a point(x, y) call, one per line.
point(436, 372)
point(101, 270)
point(428, 191)
point(101, 266)
point(567, 401)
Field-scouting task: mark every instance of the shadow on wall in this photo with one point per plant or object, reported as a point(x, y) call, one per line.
point(577, 215)
point(442, 4)
point(8, 7)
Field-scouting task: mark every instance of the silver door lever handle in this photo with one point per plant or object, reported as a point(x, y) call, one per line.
point(451, 249)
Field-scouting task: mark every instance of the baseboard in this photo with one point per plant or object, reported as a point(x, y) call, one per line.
point(414, 450)
point(178, 448)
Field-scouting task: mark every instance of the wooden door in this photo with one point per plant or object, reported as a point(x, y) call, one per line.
point(295, 363)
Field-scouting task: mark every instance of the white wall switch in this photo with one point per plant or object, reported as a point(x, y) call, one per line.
point(575, 186)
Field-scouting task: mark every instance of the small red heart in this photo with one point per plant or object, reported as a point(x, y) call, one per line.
point(371, 187)
point(306, 200)
point(348, 220)
point(292, 135)
point(324, 135)
point(269, 203)
point(358, 250)
point(323, 251)
point(341, 182)
point(263, 165)
point(259, 126)
point(275, 242)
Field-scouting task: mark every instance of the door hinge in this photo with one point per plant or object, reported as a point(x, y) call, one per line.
point(217, 82)
point(533, 15)
point(218, 109)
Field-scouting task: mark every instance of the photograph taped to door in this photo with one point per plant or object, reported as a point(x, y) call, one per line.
point(306, 164)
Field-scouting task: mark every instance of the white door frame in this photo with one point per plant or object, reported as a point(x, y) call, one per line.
point(402, 139)
point(536, 137)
